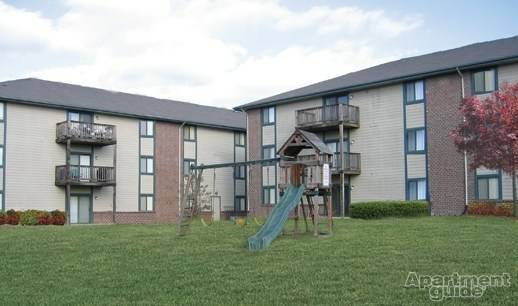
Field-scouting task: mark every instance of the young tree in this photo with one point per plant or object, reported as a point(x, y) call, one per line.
point(489, 132)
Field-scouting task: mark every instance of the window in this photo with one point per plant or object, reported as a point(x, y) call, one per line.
point(269, 195)
point(417, 189)
point(488, 188)
point(268, 115)
point(1, 156)
point(80, 117)
point(415, 141)
point(336, 100)
point(268, 152)
point(189, 133)
point(1, 111)
point(239, 139)
point(187, 163)
point(484, 81)
point(240, 172)
point(240, 203)
point(146, 203)
point(414, 92)
point(146, 128)
point(146, 165)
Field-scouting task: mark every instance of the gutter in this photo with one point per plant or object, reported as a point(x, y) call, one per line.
point(464, 152)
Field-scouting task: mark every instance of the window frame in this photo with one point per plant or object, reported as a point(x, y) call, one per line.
point(190, 161)
point(236, 199)
point(414, 131)
point(146, 196)
point(238, 136)
point(145, 132)
point(263, 189)
point(416, 181)
point(269, 147)
point(90, 114)
point(405, 90)
point(237, 173)
point(190, 128)
point(495, 85)
point(147, 158)
point(487, 177)
point(266, 110)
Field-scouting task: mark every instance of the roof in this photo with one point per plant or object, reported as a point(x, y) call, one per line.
point(310, 138)
point(466, 57)
point(75, 97)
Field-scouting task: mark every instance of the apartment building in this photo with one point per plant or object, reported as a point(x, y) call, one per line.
point(388, 126)
point(111, 157)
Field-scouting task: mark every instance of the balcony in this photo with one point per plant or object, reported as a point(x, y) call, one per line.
point(352, 163)
point(85, 133)
point(85, 176)
point(324, 117)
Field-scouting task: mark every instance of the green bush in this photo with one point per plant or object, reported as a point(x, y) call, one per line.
point(29, 217)
point(381, 209)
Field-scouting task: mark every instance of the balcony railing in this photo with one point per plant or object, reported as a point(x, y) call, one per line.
point(352, 163)
point(85, 133)
point(85, 175)
point(329, 115)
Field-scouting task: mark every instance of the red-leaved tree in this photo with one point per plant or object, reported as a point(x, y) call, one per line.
point(489, 132)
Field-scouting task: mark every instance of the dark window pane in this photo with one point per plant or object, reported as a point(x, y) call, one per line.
point(343, 99)
point(483, 192)
point(412, 190)
point(411, 145)
point(143, 128)
point(410, 92)
point(479, 81)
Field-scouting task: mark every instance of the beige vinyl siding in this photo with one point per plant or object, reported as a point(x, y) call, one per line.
point(31, 158)
point(127, 130)
point(146, 184)
point(507, 73)
point(416, 166)
point(484, 171)
point(286, 118)
point(103, 199)
point(217, 146)
point(146, 146)
point(507, 187)
point(380, 142)
point(415, 115)
point(103, 156)
point(268, 135)
point(189, 150)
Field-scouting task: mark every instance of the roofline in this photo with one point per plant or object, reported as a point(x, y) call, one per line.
point(503, 60)
point(127, 115)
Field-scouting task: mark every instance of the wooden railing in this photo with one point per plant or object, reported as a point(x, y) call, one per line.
point(85, 132)
point(329, 114)
point(85, 175)
point(352, 162)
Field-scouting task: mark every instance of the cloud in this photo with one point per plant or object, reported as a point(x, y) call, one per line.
point(198, 51)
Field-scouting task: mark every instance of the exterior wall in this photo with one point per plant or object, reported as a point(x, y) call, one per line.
point(31, 157)
point(380, 141)
point(217, 146)
point(445, 164)
point(286, 118)
point(254, 137)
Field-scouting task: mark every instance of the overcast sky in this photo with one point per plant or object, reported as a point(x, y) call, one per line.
point(226, 53)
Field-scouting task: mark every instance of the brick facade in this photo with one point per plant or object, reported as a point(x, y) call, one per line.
point(167, 197)
point(445, 164)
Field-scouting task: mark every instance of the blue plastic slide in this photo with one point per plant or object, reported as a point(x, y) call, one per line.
point(275, 221)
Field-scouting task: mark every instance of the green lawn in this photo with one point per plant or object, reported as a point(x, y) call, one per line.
point(364, 262)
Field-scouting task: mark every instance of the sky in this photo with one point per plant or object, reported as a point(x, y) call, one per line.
point(226, 53)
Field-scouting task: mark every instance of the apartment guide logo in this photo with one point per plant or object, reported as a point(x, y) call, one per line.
point(441, 287)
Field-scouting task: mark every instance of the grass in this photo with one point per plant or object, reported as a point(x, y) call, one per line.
point(364, 262)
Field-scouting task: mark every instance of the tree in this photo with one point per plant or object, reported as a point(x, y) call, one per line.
point(489, 132)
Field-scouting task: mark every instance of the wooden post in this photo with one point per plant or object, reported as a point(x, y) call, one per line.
point(342, 176)
point(315, 220)
point(67, 178)
point(114, 210)
point(304, 214)
point(328, 201)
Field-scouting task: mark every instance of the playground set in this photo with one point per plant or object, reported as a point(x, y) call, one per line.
point(305, 163)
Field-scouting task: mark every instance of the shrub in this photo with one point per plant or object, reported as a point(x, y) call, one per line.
point(12, 217)
point(43, 218)
point(490, 209)
point(57, 217)
point(2, 218)
point(381, 209)
point(29, 217)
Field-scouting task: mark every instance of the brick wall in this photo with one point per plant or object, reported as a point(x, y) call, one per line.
point(167, 175)
point(445, 164)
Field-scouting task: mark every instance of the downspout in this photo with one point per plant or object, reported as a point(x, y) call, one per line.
point(465, 154)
